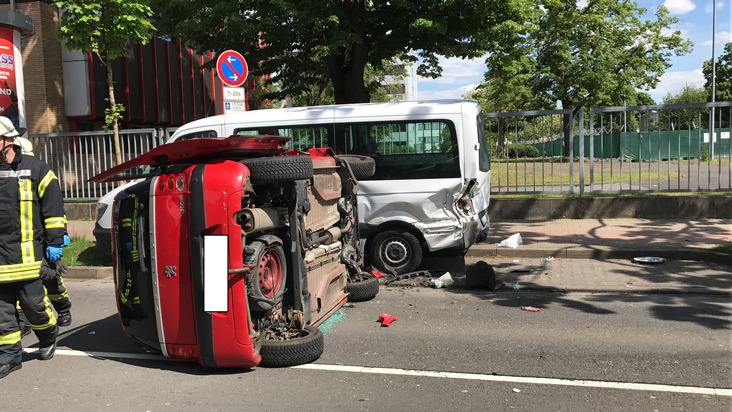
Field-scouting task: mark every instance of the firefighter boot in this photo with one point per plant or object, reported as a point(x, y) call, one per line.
point(47, 352)
point(64, 318)
point(6, 369)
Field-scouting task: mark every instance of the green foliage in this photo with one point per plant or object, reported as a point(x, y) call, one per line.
point(104, 27)
point(521, 150)
point(112, 115)
point(688, 94)
point(297, 41)
point(723, 75)
point(600, 53)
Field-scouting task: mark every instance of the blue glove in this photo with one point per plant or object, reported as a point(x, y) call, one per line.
point(67, 241)
point(53, 253)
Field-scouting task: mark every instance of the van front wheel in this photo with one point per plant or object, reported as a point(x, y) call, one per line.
point(396, 252)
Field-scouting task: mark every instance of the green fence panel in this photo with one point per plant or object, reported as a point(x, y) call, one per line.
point(658, 145)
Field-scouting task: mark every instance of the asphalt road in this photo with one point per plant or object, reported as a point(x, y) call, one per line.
point(450, 349)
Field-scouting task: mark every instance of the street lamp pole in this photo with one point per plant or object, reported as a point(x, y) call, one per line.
point(714, 80)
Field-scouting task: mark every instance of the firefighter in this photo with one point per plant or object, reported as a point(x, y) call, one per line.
point(32, 225)
point(51, 273)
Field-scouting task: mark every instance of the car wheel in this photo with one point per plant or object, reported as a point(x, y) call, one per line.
point(279, 169)
point(266, 286)
point(366, 289)
point(305, 348)
point(362, 166)
point(396, 252)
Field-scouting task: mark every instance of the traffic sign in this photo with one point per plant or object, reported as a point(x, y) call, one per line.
point(232, 68)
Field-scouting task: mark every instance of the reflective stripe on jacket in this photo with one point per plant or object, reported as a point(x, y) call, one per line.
point(31, 216)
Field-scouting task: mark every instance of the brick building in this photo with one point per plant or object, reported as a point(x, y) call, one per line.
point(160, 84)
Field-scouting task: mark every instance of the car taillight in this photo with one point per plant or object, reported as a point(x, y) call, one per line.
point(171, 183)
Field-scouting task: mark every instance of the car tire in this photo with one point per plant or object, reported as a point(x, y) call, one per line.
point(362, 291)
point(291, 352)
point(266, 284)
point(394, 251)
point(363, 167)
point(279, 169)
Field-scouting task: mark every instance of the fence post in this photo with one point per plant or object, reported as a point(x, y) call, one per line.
point(581, 122)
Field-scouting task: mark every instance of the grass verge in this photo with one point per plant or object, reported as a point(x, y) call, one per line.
point(83, 252)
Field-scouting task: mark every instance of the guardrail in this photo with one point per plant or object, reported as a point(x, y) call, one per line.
point(617, 149)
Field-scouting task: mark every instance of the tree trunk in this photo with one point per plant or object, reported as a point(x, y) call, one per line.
point(346, 71)
point(113, 110)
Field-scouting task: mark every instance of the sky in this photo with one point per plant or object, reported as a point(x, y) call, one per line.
point(695, 23)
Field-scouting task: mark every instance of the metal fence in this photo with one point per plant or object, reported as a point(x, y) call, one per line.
point(612, 149)
point(596, 150)
point(78, 156)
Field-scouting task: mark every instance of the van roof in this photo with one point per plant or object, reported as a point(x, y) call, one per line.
point(424, 107)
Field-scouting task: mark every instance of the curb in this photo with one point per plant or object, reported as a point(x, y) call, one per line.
point(89, 272)
point(568, 251)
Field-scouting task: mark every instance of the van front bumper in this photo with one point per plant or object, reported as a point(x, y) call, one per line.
point(450, 235)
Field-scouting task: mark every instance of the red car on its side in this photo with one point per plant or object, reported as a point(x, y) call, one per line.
point(229, 252)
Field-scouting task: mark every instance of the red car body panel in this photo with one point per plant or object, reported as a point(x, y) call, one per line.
point(194, 190)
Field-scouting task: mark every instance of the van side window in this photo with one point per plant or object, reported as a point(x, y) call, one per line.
point(405, 150)
point(303, 137)
point(484, 157)
point(198, 135)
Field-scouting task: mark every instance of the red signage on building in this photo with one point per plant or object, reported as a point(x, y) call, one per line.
point(8, 92)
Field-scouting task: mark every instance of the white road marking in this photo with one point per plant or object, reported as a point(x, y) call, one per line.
point(437, 374)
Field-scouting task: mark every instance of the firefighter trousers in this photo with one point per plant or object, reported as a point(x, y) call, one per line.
point(57, 293)
point(37, 307)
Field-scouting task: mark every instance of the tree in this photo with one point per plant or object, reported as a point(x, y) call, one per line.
point(599, 52)
point(684, 119)
point(106, 27)
point(723, 75)
point(296, 41)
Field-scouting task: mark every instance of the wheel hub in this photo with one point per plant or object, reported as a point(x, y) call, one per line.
point(395, 252)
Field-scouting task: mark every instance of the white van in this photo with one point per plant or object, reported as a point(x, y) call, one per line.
point(431, 187)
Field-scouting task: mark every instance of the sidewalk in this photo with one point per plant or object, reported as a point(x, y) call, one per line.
point(691, 267)
point(617, 238)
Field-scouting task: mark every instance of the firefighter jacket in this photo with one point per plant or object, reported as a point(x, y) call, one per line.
point(31, 216)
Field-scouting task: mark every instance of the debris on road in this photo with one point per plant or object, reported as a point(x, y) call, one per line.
point(481, 275)
point(377, 273)
point(408, 275)
point(512, 241)
point(550, 258)
point(444, 281)
point(386, 319)
point(516, 390)
point(516, 286)
point(530, 309)
point(649, 260)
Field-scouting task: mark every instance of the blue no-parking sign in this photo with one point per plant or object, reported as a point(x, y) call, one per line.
point(232, 68)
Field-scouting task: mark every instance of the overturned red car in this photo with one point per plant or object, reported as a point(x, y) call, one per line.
point(230, 252)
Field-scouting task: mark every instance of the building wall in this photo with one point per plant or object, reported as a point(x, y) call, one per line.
point(43, 77)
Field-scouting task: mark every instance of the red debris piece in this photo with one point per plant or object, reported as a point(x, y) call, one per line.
point(377, 274)
point(387, 319)
point(530, 308)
